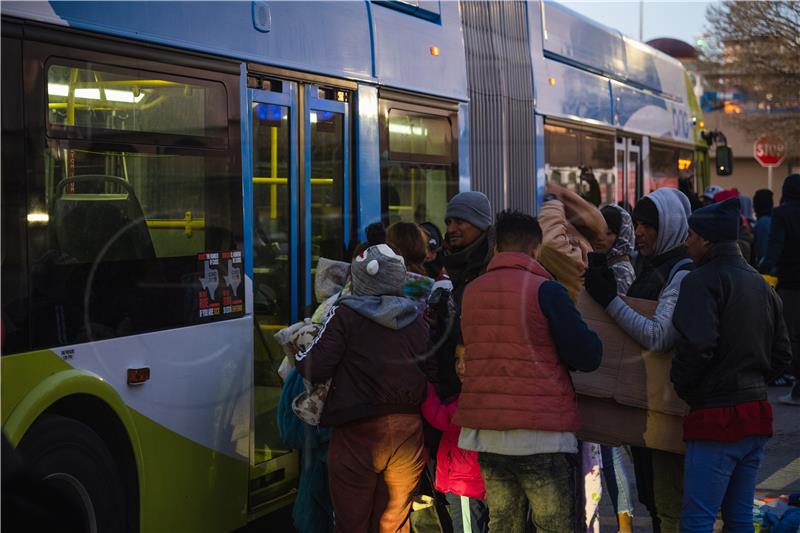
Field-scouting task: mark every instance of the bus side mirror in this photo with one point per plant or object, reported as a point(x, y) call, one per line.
point(724, 161)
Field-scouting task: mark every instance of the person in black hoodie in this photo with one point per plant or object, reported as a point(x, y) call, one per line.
point(724, 358)
point(369, 345)
point(783, 259)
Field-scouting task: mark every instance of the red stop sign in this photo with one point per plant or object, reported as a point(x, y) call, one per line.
point(769, 150)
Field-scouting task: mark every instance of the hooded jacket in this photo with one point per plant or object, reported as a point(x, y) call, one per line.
point(783, 248)
point(457, 470)
point(619, 256)
point(661, 277)
point(369, 345)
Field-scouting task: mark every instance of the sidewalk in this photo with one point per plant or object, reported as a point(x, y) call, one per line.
point(779, 472)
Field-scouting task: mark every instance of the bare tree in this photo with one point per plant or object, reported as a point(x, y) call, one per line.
point(753, 48)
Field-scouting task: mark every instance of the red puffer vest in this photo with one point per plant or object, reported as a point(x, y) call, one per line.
point(514, 378)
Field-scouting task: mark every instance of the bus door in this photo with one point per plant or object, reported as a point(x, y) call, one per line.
point(325, 183)
point(274, 217)
point(628, 159)
point(300, 161)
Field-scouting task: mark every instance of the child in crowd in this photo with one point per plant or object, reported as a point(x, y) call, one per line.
point(369, 347)
point(458, 474)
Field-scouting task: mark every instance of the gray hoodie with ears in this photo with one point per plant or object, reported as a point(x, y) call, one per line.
point(658, 334)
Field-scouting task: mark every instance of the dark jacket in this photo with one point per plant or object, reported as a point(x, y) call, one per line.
point(652, 273)
point(732, 337)
point(373, 365)
point(462, 266)
point(783, 248)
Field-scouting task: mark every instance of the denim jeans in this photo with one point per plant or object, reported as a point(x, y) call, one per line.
point(469, 515)
point(619, 478)
point(720, 474)
point(544, 481)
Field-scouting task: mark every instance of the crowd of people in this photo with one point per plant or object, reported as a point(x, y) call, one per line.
point(431, 390)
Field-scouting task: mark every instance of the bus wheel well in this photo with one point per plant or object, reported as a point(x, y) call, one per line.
point(96, 414)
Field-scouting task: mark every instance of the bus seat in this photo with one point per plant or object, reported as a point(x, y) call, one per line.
point(103, 226)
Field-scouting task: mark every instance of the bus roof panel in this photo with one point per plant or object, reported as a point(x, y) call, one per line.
point(650, 68)
point(331, 38)
point(575, 39)
point(581, 40)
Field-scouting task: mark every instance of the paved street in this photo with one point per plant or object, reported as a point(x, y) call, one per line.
point(779, 473)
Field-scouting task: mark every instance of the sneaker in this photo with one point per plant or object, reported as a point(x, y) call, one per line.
point(789, 399)
point(781, 381)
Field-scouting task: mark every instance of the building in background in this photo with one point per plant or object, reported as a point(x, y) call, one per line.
point(726, 109)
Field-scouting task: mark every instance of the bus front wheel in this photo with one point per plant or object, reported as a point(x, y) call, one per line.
point(72, 461)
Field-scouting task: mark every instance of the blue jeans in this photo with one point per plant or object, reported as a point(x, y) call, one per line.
point(619, 478)
point(720, 474)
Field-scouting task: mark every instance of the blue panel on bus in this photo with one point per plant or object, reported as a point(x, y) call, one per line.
point(568, 92)
point(330, 38)
point(406, 49)
point(641, 112)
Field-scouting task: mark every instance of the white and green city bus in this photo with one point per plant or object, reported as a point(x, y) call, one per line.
point(172, 171)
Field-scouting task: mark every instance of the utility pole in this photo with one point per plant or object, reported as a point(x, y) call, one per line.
point(641, 19)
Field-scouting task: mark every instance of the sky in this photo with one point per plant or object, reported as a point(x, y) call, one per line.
point(683, 20)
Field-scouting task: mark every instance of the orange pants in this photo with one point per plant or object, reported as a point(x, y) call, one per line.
point(374, 466)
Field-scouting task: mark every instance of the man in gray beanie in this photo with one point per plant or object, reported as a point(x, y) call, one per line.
point(469, 228)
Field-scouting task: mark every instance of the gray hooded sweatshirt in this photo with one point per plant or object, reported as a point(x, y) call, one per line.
point(658, 334)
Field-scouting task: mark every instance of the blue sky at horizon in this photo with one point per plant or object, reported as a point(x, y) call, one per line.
point(683, 20)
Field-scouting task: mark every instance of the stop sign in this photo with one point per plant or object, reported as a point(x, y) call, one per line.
point(769, 150)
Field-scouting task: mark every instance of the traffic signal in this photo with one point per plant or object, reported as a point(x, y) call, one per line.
point(724, 161)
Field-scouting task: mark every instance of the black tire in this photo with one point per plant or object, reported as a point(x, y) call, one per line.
point(75, 468)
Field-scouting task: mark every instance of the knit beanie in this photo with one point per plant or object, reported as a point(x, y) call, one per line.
point(471, 206)
point(763, 202)
point(717, 222)
point(646, 212)
point(378, 271)
point(613, 218)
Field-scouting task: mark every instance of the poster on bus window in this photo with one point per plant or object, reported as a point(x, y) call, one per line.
point(221, 289)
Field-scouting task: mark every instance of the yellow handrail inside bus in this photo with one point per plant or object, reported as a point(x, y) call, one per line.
point(273, 211)
point(284, 181)
point(187, 224)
